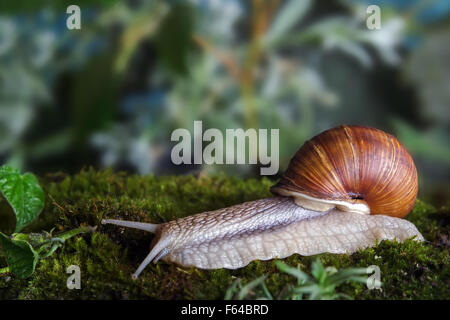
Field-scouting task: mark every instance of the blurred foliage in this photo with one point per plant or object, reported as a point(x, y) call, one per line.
point(111, 93)
point(34, 51)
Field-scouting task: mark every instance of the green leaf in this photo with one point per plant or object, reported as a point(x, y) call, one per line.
point(20, 256)
point(23, 193)
point(318, 271)
point(289, 15)
point(231, 290)
point(429, 145)
point(250, 286)
point(300, 275)
point(174, 40)
point(350, 274)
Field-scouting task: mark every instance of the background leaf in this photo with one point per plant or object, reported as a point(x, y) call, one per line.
point(23, 193)
point(20, 256)
point(289, 15)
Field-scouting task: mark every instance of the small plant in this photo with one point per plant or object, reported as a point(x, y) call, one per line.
point(321, 285)
point(23, 194)
point(255, 289)
point(23, 251)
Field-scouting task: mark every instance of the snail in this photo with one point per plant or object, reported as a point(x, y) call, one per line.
point(345, 189)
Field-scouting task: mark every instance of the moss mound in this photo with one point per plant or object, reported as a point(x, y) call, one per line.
point(108, 256)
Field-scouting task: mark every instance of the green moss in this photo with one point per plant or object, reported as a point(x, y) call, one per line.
point(108, 257)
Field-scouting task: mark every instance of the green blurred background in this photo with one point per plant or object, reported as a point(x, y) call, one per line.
point(110, 94)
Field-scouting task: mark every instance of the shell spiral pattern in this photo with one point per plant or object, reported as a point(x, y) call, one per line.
point(355, 164)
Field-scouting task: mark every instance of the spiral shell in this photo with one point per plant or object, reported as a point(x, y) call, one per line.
point(355, 168)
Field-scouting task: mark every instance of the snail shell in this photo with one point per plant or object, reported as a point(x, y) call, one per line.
point(355, 168)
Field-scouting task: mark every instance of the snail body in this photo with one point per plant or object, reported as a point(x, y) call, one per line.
point(345, 189)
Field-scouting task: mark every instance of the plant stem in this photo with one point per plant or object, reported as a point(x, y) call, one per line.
point(69, 234)
point(262, 13)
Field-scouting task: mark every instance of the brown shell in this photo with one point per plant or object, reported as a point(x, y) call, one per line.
point(355, 163)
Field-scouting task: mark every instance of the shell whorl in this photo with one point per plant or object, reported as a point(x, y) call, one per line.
point(353, 165)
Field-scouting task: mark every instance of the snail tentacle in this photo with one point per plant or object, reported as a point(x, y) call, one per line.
point(150, 227)
point(158, 251)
